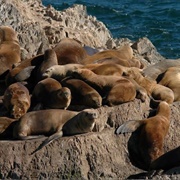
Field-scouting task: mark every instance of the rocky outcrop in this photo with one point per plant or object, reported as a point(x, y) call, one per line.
point(97, 155)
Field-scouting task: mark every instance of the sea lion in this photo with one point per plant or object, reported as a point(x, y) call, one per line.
point(9, 49)
point(82, 93)
point(51, 94)
point(50, 59)
point(106, 69)
point(114, 89)
point(171, 79)
point(153, 71)
point(152, 132)
point(69, 51)
point(54, 123)
point(6, 127)
point(154, 90)
point(59, 72)
point(23, 71)
point(167, 161)
point(122, 56)
point(16, 100)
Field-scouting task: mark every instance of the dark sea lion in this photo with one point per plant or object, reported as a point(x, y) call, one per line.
point(82, 93)
point(16, 100)
point(152, 132)
point(9, 49)
point(23, 71)
point(6, 127)
point(54, 123)
point(167, 161)
point(51, 94)
point(69, 51)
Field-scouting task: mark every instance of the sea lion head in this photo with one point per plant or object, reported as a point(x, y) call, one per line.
point(93, 100)
point(18, 108)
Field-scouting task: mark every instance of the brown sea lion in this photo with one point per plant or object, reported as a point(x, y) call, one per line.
point(59, 72)
point(82, 93)
point(51, 94)
point(17, 100)
point(154, 90)
point(106, 69)
point(114, 89)
point(9, 49)
point(23, 71)
point(50, 59)
point(69, 51)
point(122, 56)
point(167, 161)
point(171, 79)
point(54, 123)
point(153, 71)
point(152, 132)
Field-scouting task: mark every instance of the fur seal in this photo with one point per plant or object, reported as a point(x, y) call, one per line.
point(82, 93)
point(153, 71)
point(54, 123)
point(114, 89)
point(16, 100)
point(69, 51)
point(152, 134)
point(9, 49)
point(171, 79)
point(51, 94)
point(59, 72)
point(154, 90)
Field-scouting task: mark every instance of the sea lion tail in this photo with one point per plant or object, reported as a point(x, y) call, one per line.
point(49, 140)
point(129, 126)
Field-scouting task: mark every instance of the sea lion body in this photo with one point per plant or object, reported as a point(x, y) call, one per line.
point(51, 94)
point(171, 79)
point(157, 91)
point(54, 123)
point(17, 100)
point(153, 71)
point(50, 59)
point(9, 49)
point(83, 94)
point(69, 51)
point(152, 132)
point(115, 89)
point(59, 72)
point(167, 161)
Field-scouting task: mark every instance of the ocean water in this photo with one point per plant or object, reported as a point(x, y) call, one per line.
point(157, 20)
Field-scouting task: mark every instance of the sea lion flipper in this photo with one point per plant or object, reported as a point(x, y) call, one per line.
point(129, 126)
point(24, 74)
point(49, 140)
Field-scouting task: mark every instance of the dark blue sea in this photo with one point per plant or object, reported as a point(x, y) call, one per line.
point(158, 20)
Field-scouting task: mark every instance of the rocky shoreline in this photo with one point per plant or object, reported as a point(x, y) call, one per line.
point(96, 155)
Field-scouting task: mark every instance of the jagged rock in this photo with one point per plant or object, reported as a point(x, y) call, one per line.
point(145, 48)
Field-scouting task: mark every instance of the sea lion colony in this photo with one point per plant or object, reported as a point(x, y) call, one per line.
point(69, 74)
